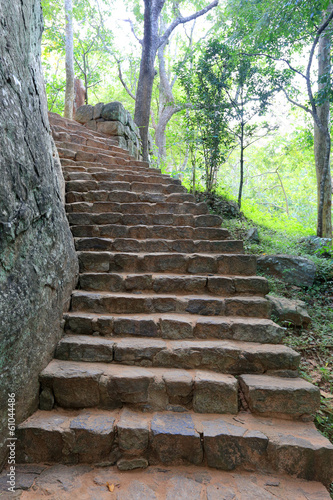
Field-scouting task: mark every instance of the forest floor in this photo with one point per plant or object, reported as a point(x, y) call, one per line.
point(315, 344)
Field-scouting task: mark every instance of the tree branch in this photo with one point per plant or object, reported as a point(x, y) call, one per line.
point(296, 103)
point(133, 30)
point(183, 20)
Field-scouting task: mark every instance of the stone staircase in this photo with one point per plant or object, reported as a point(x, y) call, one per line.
point(169, 354)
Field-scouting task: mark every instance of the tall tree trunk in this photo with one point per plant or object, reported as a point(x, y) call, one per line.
point(150, 44)
point(147, 72)
point(69, 93)
point(322, 142)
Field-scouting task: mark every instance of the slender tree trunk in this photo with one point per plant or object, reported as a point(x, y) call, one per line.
point(322, 144)
point(69, 94)
point(241, 180)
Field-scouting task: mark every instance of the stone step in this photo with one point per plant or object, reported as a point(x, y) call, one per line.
point(74, 384)
point(177, 284)
point(228, 443)
point(225, 264)
point(133, 303)
point(76, 133)
point(80, 186)
point(123, 196)
point(71, 168)
point(71, 146)
point(130, 218)
point(142, 232)
point(134, 208)
point(108, 165)
point(174, 326)
point(280, 397)
point(119, 176)
point(99, 167)
point(213, 356)
point(158, 245)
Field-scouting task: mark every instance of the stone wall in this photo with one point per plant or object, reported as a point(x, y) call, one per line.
point(112, 119)
point(38, 264)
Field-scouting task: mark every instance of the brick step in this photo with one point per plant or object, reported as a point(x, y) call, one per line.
point(122, 177)
point(130, 218)
point(228, 443)
point(137, 187)
point(71, 146)
point(178, 284)
point(142, 232)
point(174, 326)
point(225, 264)
point(158, 245)
point(123, 196)
point(135, 208)
point(214, 356)
point(133, 303)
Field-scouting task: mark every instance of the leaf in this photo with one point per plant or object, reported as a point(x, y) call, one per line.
point(110, 487)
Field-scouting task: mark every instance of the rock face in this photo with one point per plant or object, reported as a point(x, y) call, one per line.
point(112, 119)
point(290, 311)
point(38, 265)
point(291, 269)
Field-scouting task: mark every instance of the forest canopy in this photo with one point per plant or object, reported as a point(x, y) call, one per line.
point(235, 94)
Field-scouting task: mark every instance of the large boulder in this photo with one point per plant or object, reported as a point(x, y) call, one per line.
point(289, 311)
point(38, 263)
point(84, 113)
point(294, 270)
point(114, 111)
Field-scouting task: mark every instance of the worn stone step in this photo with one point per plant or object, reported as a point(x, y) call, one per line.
point(70, 171)
point(111, 176)
point(143, 232)
point(213, 356)
point(83, 186)
point(280, 397)
point(103, 157)
point(80, 135)
point(127, 196)
point(132, 303)
point(174, 326)
point(225, 442)
point(158, 245)
point(72, 146)
point(174, 283)
point(146, 208)
point(108, 385)
point(143, 219)
point(179, 263)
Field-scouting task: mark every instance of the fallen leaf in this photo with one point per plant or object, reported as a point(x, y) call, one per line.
point(110, 487)
point(326, 395)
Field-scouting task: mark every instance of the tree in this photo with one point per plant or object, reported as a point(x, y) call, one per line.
point(151, 41)
point(69, 93)
point(207, 79)
point(294, 28)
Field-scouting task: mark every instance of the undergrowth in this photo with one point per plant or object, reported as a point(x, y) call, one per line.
point(282, 236)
